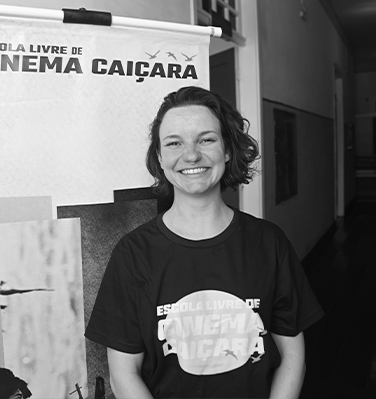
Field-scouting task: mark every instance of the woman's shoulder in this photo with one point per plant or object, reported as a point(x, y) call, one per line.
point(266, 234)
point(256, 225)
point(139, 232)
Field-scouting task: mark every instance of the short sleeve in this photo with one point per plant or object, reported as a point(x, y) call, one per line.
point(295, 306)
point(114, 322)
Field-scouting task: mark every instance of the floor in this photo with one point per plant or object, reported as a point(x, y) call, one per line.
point(341, 348)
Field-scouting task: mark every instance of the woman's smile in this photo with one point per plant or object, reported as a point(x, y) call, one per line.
point(193, 171)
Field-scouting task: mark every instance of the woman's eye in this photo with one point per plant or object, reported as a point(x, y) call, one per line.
point(207, 140)
point(172, 144)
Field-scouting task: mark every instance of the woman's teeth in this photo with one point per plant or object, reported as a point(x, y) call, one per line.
point(193, 171)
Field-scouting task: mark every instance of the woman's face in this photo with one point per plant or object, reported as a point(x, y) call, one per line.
point(192, 151)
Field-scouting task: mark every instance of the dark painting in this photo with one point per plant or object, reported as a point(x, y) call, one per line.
point(102, 225)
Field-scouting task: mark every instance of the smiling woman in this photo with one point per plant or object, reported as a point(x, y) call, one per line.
point(203, 301)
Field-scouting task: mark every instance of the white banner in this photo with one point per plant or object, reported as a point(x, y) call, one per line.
point(76, 102)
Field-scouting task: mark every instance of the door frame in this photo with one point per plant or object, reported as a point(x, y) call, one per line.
point(339, 148)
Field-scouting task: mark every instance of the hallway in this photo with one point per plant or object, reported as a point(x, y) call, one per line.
point(341, 347)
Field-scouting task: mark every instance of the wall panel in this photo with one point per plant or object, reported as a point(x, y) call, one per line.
point(308, 215)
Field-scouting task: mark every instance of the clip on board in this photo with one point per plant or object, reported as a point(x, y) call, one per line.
point(83, 16)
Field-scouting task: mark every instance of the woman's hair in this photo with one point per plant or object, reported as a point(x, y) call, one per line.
point(242, 148)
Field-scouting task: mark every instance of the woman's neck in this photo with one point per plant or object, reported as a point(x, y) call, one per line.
point(198, 220)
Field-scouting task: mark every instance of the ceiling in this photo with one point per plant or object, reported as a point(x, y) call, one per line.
point(356, 22)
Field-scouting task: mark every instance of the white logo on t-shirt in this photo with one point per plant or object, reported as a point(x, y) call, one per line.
point(212, 332)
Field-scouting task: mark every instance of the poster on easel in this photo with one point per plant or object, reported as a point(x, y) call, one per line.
point(76, 102)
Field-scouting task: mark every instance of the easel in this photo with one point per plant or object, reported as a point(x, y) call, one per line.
point(78, 390)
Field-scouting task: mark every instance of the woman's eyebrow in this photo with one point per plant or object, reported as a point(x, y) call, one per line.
point(171, 136)
point(177, 136)
point(208, 131)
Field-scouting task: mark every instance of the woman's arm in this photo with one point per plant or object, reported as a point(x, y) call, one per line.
point(288, 377)
point(125, 375)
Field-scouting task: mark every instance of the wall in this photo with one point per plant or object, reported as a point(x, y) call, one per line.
point(298, 61)
point(309, 214)
point(365, 112)
point(166, 10)
point(298, 57)
point(365, 92)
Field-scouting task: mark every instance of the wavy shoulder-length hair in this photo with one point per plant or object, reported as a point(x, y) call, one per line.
point(242, 149)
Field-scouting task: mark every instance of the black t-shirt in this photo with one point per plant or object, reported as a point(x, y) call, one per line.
point(202, 311)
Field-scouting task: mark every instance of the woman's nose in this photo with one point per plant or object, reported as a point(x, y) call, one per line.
point(191, 153)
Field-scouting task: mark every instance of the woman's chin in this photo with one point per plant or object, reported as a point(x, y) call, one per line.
point(198, 189)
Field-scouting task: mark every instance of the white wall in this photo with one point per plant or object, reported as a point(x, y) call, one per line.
point(298, 61)
point(161, 10)
point(298, 57)
point(308, 215)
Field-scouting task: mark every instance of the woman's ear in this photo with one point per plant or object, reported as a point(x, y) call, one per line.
point(227, 157)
